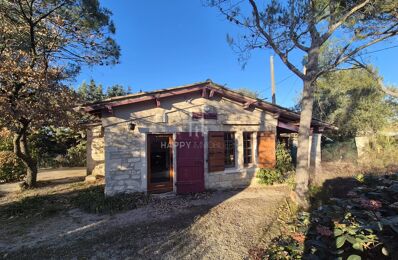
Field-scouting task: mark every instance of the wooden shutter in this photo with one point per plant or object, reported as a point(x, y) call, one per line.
point(266, 149)
point(216, 151)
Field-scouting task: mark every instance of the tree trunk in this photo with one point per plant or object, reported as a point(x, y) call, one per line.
point(21, 150)
point(302, 167)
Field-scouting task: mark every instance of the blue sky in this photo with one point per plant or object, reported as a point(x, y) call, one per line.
point(177, 42)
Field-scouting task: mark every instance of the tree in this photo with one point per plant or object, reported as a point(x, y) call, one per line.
point(304, 28)
point(95, 93)
point(90, 93)
point(247, 92)
point(117, 90)
point(357, 106)
point(43, 43)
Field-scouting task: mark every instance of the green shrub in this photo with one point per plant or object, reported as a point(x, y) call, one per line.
point(282, 171)
point(283, 159)
point(11, 167)
point(76, 155)
point(269, 176)
point(339, 151)
point(362, 224)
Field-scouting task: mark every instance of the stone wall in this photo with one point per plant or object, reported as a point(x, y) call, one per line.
point(125, 149)
point(95, 151)
point(124, 155)
point(230, 178)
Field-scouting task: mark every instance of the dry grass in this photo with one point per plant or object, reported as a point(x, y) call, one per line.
point(333, 170)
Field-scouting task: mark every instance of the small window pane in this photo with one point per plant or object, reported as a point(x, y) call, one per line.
point(229, 142)
point(247, 148)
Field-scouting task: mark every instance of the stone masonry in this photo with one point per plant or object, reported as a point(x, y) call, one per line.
point(124, 160)
point(95, 151)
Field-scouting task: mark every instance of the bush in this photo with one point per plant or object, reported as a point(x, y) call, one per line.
point(363, 224)
point(5, 140)
point(76, 155)
point(11, 167)
point(283, 159)
point(269, 176)
point(282, 171)
point(339, 151)
point(381, 153)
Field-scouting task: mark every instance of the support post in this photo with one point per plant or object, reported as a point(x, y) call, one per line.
point(271, 61)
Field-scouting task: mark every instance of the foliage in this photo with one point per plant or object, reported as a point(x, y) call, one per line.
point(93, 200)
point(343, 29)
point(91, 92)
point(58, 147)
point(287, 248)
point(11, 167)
point(77, 154)
point(43, 43)
point(5, 140)
point(77, 195)
point(94, 92)
point(381, 153)
point(339, 151)
point(247, 92)
point(361, 224)
point(33, 206)
point(269, 176)
point(357, 107)
point(116, 91)
point(283, 168)
point(283, 158)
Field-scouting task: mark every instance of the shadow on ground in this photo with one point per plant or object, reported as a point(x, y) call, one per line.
point(220, 224)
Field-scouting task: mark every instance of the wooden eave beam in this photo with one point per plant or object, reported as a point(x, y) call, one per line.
point(212, 91)
point(143, 98)
point(204, 92)
point(248, 104)
point(289, 127)
point(157, 100)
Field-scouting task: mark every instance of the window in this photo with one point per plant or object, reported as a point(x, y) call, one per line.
point(229, 149)
point(247, 148)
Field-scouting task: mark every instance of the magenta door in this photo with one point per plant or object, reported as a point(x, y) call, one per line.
point(190, 163)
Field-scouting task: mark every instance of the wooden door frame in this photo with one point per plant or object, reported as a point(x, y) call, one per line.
point(162, 186)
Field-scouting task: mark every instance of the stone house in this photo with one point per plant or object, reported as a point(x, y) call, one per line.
point(187, 139)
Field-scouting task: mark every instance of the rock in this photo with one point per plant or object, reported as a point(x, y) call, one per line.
point(90, 179)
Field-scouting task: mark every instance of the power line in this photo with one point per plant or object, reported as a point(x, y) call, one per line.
point(288, 77)
point(387, 48)
point(282, 80)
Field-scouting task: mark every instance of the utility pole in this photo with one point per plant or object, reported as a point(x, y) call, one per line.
point(271, 61)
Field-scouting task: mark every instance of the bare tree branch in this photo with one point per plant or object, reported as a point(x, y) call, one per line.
point(377, 78)
point(333, 27)
point(271, 42)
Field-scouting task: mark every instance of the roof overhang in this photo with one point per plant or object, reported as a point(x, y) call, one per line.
point(287, 119)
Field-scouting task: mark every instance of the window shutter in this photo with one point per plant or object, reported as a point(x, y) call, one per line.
point(266, 149)
point(216, 151)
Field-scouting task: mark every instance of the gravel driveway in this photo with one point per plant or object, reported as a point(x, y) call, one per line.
point(212, 225)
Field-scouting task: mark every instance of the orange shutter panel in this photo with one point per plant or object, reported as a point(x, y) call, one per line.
point(266, 149)
point(216, 151)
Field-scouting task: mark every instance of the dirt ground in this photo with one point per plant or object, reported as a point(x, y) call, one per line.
point(211, 225)
point(62, 175)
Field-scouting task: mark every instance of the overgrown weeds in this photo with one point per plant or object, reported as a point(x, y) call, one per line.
point(93, 200)
point(362, 223)
point(90, 199)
